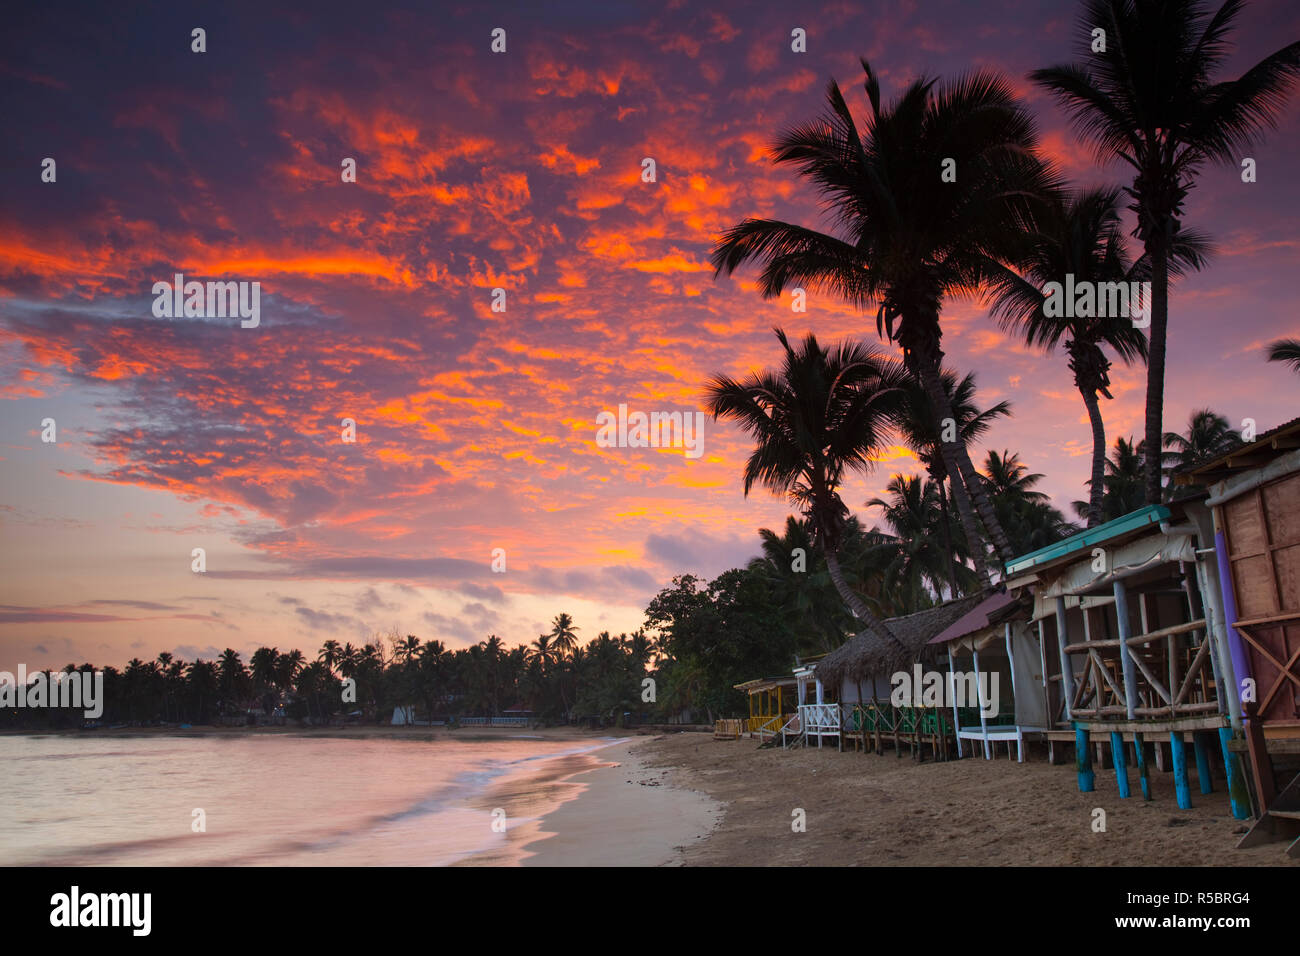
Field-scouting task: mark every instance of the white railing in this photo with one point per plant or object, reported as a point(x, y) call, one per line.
point(820, 720)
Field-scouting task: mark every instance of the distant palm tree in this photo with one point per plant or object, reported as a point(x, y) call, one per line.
point(330, 654)
point(1028, 515)
point(826, 411)
point(564, 635)
point(907, 238)
point(1150, 99)
point(913, 515)
point(922, 431)
point(1208, 435)
point(1285, 350)
point(1124, 482)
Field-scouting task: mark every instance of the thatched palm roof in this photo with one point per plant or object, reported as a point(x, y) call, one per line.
point(865, 655)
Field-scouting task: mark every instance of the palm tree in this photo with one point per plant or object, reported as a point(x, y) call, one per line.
point(922, 432)
point(1124, 481)
point(824, 412)
point(1080, 236)
point(912, 512)
point(908, 238)
point(1208, 435)
point(330, 654)
point(1150, 100)
point(1028, 515)
point(564, 635)
point(804, 591)
point(1285, 350)
point(232, 678)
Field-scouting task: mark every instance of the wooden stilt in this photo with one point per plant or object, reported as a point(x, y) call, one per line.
point(1202, 762)
point(1121, 764)
point(1161, 763)
point(1181, 789)
point(1237, 794)
point(1083, 760)
point(1261, 764)
point(1140, 752)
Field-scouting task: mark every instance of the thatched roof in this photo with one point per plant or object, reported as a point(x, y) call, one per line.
point(865, 655)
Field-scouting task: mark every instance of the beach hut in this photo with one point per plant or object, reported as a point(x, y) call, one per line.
point(859, 675)
point(1132, 643)
point(771, 703)
point(1254, 504)
point(995, 684)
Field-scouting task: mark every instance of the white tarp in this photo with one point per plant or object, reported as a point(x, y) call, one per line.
point(1027, 664)
point(1148, 551)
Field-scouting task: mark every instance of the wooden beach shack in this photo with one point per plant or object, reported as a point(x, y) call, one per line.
point(772, 701)
point(995, 662)
point(1254, 504)
point(1132, 645)
point(858, 676)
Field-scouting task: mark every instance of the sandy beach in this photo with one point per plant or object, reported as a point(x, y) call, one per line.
point(870, 810)
point(614, 810)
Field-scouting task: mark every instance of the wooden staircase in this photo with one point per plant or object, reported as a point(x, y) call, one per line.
point(1281, 821)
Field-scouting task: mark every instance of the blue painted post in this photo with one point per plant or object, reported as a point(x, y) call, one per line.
point(1237, 794)
point(1083, 760)
point(1180, 770)
point(1202, 762)
point(1120, 761)
point(1140, 751)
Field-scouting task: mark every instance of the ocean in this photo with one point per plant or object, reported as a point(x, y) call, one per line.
point(276, 799)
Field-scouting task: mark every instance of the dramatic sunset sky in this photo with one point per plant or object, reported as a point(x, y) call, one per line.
point(475, 430)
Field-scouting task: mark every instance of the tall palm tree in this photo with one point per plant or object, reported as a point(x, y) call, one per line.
point(1285, 350)
point(826, 411)
point(1151, 100)
point(922, 432)
point(907, 239)
point(1080, 236)
point(564, 635)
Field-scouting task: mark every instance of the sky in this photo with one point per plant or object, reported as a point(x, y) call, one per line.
point(476, 429)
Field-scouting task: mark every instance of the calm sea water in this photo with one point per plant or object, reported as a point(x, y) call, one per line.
point(278, 800)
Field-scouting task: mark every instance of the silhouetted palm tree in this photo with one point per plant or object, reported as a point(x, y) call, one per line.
point(906, 238)
point(1208, 435)
point(1124, 482)
point(1077, 236)
point(824, 412)
point(922, 430)
point(1285, 350)
point(1151, 100)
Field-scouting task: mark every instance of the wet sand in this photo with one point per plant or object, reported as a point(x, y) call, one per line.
point(612, 811)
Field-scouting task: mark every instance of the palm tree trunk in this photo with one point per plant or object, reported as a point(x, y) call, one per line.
point(958, 462)
point(1097, 487)
point(1158, 250)
point(855, 604)
point(947, 542)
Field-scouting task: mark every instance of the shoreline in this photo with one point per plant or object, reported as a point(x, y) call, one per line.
point(613, 810)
